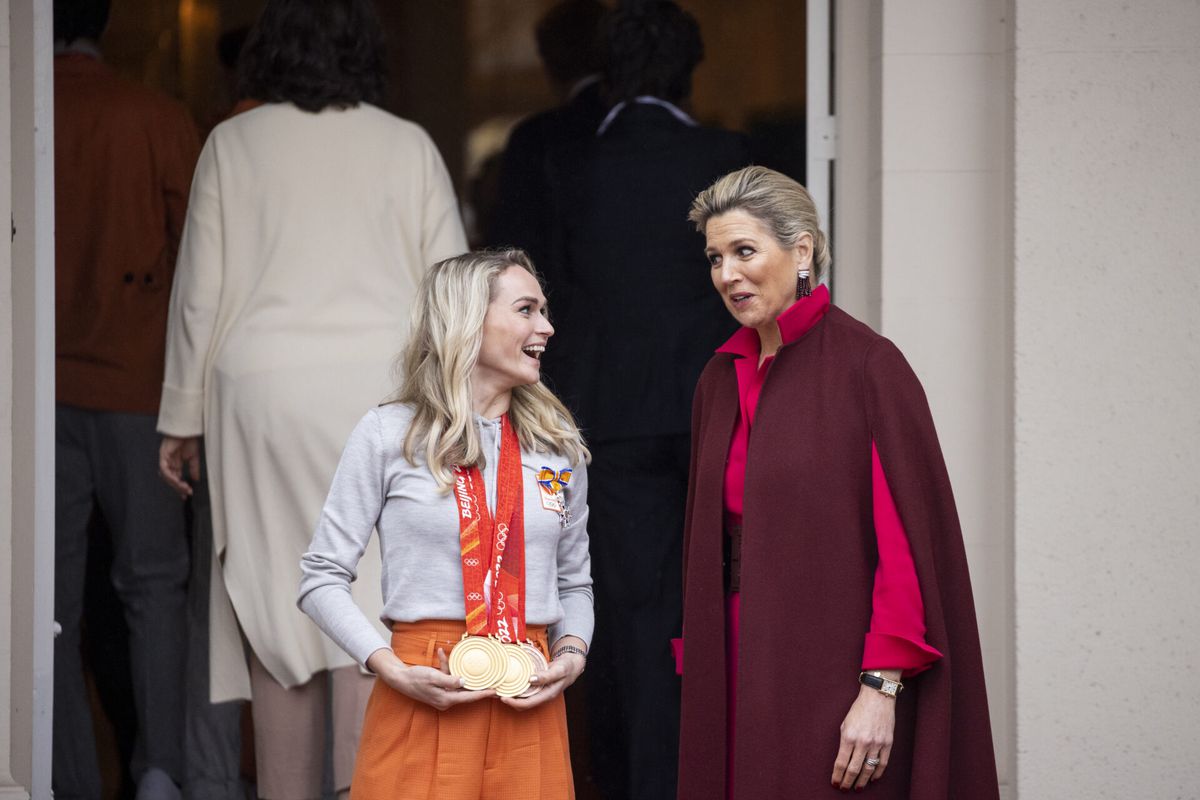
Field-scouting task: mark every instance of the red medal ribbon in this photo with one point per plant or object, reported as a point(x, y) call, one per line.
point(493, 549)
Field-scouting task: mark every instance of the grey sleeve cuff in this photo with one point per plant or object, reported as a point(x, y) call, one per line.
point(578, 619)
point(335, 612)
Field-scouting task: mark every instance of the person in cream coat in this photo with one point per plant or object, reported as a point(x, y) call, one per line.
point(311, 221)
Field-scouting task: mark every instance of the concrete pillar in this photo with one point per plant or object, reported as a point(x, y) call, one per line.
point(1106, 198)
point(920, 252)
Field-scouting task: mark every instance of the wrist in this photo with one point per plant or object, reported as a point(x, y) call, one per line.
point(561, 649)
point(384, 663)
point(569, 640)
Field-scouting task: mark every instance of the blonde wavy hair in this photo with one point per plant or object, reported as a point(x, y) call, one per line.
point(437, 362)
point(780, 203)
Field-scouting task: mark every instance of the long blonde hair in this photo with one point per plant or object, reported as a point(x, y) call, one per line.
point(436, 367)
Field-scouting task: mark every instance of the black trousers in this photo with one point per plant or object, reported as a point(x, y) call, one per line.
point(108, 461)
point(636, 497)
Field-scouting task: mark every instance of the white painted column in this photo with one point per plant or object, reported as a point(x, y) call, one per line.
point(855, 229)
point(26, 399)
point(820, 128)
point(920, 252)
point(9, 787)
point(1107, 391)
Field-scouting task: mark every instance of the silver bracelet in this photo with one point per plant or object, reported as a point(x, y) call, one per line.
point(568, 648)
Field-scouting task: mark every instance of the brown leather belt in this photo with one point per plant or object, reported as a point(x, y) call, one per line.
point(731, 560)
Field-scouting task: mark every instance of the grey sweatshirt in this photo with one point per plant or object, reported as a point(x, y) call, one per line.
point(376, 488)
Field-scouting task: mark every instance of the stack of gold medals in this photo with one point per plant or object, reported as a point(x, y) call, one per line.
point(484, 662)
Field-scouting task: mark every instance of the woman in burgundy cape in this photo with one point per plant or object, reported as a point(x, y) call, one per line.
point(829, 627)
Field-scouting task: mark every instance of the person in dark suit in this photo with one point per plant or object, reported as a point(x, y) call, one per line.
point(568, 40)
point(630, 293)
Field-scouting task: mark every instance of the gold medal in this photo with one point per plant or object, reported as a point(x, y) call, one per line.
point(519, 668)
point(540, 664)
point(480, 661)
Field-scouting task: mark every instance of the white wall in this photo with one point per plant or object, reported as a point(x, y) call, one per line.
point(1106, 219)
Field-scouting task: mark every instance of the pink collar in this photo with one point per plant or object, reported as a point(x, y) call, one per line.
point(797, 320)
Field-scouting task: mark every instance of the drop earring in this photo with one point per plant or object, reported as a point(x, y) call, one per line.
point(802, 287)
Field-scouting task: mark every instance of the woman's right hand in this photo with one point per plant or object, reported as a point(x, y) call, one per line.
point(436, 688)
point(179, 459)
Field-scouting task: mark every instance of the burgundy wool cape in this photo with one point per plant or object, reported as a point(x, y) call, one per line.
point(807, 573)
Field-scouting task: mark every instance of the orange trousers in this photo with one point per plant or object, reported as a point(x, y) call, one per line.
point(475, 751)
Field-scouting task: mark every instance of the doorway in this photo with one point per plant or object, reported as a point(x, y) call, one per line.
point(468, 70)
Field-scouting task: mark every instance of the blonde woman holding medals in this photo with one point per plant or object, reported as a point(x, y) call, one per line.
point(475, 480)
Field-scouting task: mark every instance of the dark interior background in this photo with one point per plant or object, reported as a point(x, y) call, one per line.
point(466, 70)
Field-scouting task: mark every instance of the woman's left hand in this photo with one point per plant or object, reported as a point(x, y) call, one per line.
point(866, 733)
point(564, 670)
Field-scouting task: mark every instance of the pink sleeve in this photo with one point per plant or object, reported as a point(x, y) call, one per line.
point(897, 636)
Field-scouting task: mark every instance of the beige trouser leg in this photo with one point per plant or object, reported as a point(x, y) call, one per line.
point(289, 730)
point(351, 691)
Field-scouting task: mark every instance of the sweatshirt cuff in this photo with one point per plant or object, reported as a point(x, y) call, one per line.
point(367, 654)
point(886, 651)
point(180, 412)
point(360, 643)
point(357, 637)
point(577, 621)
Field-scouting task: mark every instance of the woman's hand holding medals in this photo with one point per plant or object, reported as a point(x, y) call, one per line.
point(549, 682)
point(441, 689)
point(436, 688)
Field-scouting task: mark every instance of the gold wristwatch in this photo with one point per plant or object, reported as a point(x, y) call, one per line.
point(879, 683)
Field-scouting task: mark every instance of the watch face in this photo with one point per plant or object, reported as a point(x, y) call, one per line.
point(889, 687)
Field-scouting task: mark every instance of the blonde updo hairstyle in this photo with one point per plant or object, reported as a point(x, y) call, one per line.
point(780, 203)
point(440, 356)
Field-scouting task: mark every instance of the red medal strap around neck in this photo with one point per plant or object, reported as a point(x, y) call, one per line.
point(493, 548)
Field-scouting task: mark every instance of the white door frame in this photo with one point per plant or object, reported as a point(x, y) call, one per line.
point(27, 531)
point(820, 123)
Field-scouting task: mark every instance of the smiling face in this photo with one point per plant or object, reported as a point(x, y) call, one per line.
point(515, 332)
point(755, 276)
